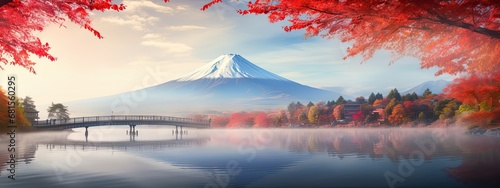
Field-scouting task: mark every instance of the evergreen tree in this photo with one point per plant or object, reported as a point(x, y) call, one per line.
point(341, 100)
point(360, 100)
point(379, 96)
point(292, 107)
point(414, 96)
point(394, 94)
point(371, 98)
point(58, 111)
point(29, 106)
point(426, 93)
point(310, 104)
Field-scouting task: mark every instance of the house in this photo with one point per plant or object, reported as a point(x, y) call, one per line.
point(350, 109)
point(31, 115)
point(379, 112)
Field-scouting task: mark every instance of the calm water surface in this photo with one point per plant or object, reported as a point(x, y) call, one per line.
point(155, 157)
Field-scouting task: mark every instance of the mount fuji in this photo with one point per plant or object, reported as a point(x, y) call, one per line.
point(229, 82)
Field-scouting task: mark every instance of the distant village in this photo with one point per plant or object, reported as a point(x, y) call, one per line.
point(412, 110)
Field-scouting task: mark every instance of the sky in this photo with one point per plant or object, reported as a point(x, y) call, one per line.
point(152, 42)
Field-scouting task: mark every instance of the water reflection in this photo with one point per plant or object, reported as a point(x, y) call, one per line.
point(263, 158)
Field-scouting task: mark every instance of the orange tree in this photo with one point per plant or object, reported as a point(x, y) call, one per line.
point(454, 35)
point(480, 95)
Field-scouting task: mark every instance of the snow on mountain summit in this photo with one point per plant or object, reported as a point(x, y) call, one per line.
point(230, 66)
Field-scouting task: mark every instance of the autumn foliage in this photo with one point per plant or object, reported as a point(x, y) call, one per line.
point(20, 118)
point(481, 93)
point(20, 19)
point(455, 36)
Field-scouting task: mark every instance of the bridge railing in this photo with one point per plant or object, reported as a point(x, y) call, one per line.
point(115, 118)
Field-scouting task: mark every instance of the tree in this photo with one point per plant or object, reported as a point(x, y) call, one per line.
point(29, 106)
point(28, 103)
point(426, 93)
point(358, 117)
point(482, 93)
point(20, 117)
point(360, 100)
point(394, 94)
point(341, 100)
point(313, 114)
point(379, 96)
point(338, 112)
point(220, 121)
point(388, 109)
point(58, 111)
point(398, 115)
point(281, 118)
point(455, 36)
point(414, 96)
point(240, 119)
point(371, 98)
point(21, 19)
point(422, 117)
point(310, 104)
point(377, 102)
point(262, 120)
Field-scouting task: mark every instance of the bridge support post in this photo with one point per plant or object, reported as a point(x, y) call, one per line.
point(132, 129)
point(86, 134)
point(176, 131)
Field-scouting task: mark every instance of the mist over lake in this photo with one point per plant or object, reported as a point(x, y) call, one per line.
point(340, 157)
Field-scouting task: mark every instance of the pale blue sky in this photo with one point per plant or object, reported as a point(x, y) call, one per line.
point(153, 42)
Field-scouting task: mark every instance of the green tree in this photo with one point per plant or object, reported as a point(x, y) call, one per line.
point(29, 106)
point(394, 94)
point(464, 108)
point(341, 100)
point(426, 93)
point(313, 114)
point(330, 103)
point(390, 106)
point(414, 96)
point(379, 96)
point(360, 100)
point(310, 104)
point(422, 117)
point(58, 111)
point(371, 98)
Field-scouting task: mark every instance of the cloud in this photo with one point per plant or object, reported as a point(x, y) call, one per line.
point(135, 5)
point(185, 27)
point(151, 36)
point(135, 21)
point(167, 46)
point(180, 7)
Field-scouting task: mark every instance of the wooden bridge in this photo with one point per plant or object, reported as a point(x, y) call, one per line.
point(131, 120)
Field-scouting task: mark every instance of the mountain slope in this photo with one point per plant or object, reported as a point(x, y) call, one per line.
point(230, 66)
point(229, 82)
point(436, 87)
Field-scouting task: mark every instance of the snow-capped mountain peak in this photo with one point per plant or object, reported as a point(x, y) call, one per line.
point(230, 66)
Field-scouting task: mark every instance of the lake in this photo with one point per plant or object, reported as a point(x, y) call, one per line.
point(209, 158)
